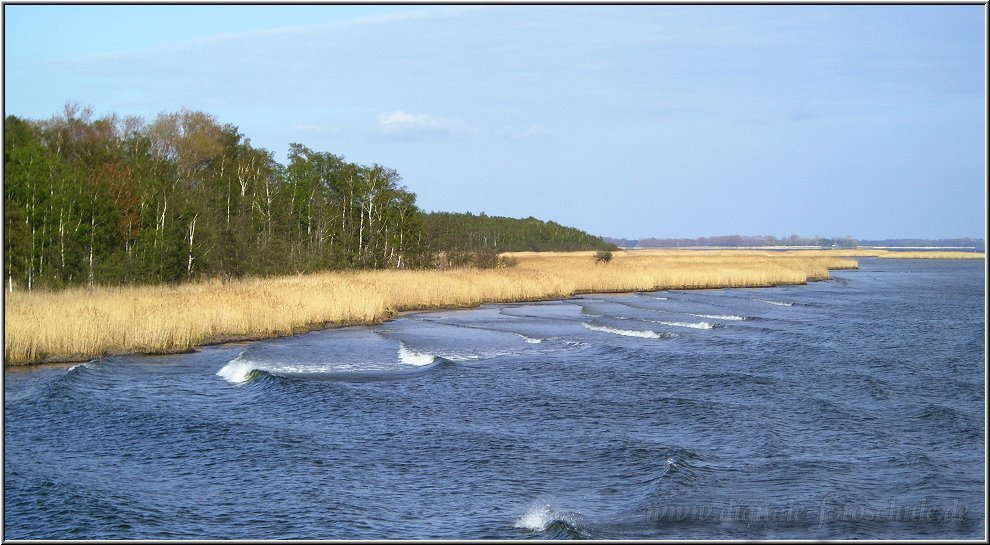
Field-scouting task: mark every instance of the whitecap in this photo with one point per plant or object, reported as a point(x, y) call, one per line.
point(539, 517)
point(779, 303)
point(412, 357)
point(720, 316)
point(625, 332)
point(237, 370)
point(694, 325)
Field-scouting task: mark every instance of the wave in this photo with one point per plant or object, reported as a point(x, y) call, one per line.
point(554, 310)
point(721, 316)
point(85, 365)
point(474, 356)
point(237, 370)
point(665, 473)
point(412, 357)
point(56, 385)
point(778, 303)
point(542, 517)
point(527, 338)
point(539, 517)
point(648, 334)
point(241, 369)
point(695, 325)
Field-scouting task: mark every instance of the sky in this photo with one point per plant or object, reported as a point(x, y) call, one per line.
point(624, 121)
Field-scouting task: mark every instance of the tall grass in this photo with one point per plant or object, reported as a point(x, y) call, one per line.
point(79, 324)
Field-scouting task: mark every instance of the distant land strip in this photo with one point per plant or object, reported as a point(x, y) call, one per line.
point(797, 242)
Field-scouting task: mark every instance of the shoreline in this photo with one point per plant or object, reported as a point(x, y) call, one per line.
point(78, 325)
point(69, 361)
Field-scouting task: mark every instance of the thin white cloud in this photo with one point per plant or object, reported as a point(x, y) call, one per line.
point(420, 14)
point(399, 123)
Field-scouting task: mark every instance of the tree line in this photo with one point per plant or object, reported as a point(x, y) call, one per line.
point(119, 200)
point(468, 238)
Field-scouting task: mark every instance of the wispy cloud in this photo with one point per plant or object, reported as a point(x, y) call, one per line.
point(421, 14)
point(413, 15)
point(399, 123)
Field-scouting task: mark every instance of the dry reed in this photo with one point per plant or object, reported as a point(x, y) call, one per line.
point(80, 324)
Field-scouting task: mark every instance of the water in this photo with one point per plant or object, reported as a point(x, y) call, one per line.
point(852, 408)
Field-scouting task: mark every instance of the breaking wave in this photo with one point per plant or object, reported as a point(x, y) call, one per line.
point(648, 334)
point(85, 365)
point(778, 303)
point(541, 517)
point(694, 325)
point(241, 369)
point(721, 316)
point(412, 357)
point(238, 370)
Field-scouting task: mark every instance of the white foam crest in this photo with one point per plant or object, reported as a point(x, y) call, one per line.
point(87, 365)
point(720, 316)
point(670, 463)
point(237, 370)
point(779, 303)
point(412, 357)
point(694, 325)
point(476, 356)
point(539, 517)
point(530, 340)
point(625, 332)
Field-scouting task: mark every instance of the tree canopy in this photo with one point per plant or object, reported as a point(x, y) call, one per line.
point(466, 231)
point(118, 200)
point(114, 200)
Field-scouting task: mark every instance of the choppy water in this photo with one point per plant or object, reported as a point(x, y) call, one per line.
point(852, 408)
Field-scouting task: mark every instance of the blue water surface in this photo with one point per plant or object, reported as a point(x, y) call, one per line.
point(851, 408)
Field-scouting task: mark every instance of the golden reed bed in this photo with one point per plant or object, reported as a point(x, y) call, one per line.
point(80, 324)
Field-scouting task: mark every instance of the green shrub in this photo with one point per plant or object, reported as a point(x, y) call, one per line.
point(485, 258)
point(603, 256)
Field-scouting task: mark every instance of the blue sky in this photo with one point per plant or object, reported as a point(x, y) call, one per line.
point(626, 121)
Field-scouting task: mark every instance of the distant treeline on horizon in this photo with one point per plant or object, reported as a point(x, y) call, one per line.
point(734, 241)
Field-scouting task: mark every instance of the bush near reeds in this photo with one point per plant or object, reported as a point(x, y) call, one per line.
point(507, 261)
